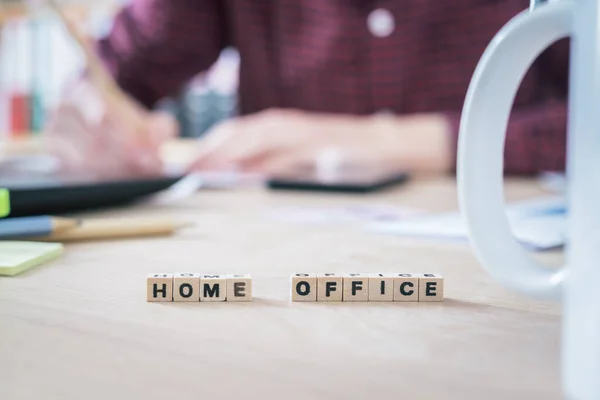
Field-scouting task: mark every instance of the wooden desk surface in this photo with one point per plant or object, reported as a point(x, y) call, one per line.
point(80, 328)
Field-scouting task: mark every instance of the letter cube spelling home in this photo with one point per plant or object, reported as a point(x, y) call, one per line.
point(213, 288)
point(239, 288)
point(186, 287)
point(159, 287)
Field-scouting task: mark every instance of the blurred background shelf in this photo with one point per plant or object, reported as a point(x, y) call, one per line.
point(38, 58)
point(10, 10)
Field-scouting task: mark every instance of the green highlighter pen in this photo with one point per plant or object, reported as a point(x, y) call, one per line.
point(4, 203)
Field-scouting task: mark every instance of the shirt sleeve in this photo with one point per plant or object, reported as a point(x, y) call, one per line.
point(156, 46)
point(536, 133)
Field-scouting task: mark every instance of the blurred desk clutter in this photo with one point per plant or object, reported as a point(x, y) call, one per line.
point(38, 56)
point(52, 229)
point(539, 224)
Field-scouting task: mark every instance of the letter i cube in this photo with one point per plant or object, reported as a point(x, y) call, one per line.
point(381, 287)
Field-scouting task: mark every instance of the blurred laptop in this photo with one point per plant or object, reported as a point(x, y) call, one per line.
point(36, 188)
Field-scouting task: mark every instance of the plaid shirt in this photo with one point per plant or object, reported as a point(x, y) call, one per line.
point(341, 56)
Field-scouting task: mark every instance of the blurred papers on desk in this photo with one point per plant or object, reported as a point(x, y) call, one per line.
point(539, 224)
point(555, 182)
point(336, 214)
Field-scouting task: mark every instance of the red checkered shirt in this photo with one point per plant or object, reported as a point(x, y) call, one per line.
point(410, 56)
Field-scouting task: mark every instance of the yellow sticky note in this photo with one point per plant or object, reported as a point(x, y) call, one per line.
point(17, 257)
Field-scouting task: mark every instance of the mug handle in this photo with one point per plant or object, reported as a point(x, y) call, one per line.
point(482, 135)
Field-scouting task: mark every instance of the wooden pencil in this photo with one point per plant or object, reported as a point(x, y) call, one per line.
point(27, 227)
point(110, 229)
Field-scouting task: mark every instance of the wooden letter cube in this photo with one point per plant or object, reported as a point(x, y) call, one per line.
point(329, 287)
point(186, 287)
point(213, 288)
point(406, 287)
point(304, 287)
point(381, 287)
point(431, 287)
point(356, 287)
point(239, 288)
point(159, 287)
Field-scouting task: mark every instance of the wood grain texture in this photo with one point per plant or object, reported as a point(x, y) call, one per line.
point(81, 328)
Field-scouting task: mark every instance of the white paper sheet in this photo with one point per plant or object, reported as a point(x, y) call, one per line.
point(325, 214)
point(539, 224)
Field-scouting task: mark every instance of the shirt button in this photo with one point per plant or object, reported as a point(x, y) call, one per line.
point(381, 23)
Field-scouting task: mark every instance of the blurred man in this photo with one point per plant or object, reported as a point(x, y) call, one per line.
point(371, 81)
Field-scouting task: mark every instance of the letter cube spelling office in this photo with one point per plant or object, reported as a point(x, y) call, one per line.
point(329, 287)
point(431, 287)
point(406, 287)
point(363, 287)
point(356, 287)
point(304, 287)
point(381, 287)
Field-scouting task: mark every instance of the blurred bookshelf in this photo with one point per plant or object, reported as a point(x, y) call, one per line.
point(14, 9)
point(38, 58)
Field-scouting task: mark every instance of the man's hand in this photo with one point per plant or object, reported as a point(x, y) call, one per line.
point(89, 133)
point(277, 141)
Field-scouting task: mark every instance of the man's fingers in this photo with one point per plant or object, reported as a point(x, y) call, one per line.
point(236, 142)
point(274, 164)
point(162, 127)
point(218, 148)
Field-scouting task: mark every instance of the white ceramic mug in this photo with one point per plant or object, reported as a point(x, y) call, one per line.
point(480, 173)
